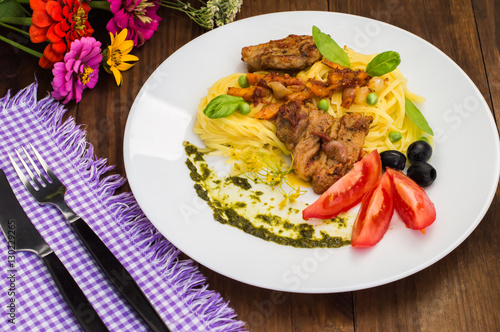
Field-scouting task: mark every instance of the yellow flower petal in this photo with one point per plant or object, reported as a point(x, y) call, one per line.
point(129, 57)
point(120, 38)
point(126, 47)
point(118, 76)
point(124, 66)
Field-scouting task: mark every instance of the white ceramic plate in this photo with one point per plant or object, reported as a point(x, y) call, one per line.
point(163, 114)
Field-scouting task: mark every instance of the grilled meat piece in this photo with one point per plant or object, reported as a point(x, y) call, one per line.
point(324, 148)
point(291, 123)
point(343, 149)
point(292, 53)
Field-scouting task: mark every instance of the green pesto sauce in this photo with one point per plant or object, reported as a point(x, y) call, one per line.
point(339, 221)
point(225, 212)
point(255, 197)
point(201, 192)
point(239, 181)
point(304, 240)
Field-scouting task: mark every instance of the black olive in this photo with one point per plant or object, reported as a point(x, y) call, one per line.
point(419, 152)
point(422, 173)
point(393, 159)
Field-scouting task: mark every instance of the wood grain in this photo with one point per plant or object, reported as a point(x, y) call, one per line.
point(461, 292)
point(487, 15)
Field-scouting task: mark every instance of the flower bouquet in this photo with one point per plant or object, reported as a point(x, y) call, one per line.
point(74, 56)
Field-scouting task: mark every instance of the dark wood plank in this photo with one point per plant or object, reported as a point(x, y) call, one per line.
point(487, 15)
point(19, 69)
point(262, 310)
point(323, 312)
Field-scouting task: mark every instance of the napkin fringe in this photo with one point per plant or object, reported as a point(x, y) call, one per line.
point(205, 305)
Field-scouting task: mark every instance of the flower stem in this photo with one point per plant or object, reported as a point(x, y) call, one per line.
point(16, 20)
point(201, 16)
point(25, 2)
point(21, 47)
point(14, 28)
point(104, 5)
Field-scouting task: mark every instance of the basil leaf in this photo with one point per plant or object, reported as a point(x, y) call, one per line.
point(222, 106)
point(383, 63)
point(329, 48)
point(417, 117)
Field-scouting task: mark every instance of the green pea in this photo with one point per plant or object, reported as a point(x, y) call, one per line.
point(243, 81)
point(395, 136)
point(372, 98)
point(324, 104)
point(423, 138)
point(244, 108)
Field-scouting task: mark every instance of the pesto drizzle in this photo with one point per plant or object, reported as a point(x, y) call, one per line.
point(226, 212)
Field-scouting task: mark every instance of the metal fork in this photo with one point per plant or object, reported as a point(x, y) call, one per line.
point(46, 188)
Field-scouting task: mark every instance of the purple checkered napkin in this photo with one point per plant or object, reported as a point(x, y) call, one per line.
point(30, 300)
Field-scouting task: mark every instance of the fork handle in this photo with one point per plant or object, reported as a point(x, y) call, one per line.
point(78, 303)
point(119, 276)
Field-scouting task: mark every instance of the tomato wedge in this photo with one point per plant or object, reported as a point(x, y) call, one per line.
point(411, 202)
point(375, 213)
point(348, 190)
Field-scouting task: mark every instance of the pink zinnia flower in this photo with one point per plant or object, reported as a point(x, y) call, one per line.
point(137, 16)
point(78, 71)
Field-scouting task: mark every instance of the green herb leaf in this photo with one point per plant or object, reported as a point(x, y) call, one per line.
point(329, 48)
point(417, 117)
point(383, 63)
point(222, 106)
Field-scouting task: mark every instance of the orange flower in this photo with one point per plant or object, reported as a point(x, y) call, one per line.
point(60, 22)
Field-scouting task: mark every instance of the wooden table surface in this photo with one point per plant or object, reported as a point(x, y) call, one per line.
point(461, 292)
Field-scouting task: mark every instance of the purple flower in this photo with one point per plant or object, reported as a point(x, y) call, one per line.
point(78, 71)
point(138, 16)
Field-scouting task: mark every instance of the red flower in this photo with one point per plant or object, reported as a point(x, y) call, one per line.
point(60, 22)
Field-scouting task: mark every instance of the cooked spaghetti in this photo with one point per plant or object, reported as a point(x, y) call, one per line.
point(238, 132)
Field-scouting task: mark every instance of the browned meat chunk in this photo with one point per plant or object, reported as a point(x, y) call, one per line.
point(343, 149)
point(291, 53)
point(291, 122)
point(324, 148)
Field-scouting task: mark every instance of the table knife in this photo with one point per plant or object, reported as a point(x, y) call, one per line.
point(22, 235)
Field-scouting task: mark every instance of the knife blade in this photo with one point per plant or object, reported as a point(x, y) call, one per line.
point(22, 235)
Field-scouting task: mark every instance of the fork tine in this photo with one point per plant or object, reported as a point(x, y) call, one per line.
point(35, 167)
point(42, 162)
point(19, 172)
point(28, 170)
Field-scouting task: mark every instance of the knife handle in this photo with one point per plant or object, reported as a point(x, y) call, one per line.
point(78, 303)
point(119, 276)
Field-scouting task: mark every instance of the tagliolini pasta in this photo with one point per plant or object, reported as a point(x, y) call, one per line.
point(238, 132)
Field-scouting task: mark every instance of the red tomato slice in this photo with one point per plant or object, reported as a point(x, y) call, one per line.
point(411, 202)
point(348, 190)
point(375, 214)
